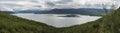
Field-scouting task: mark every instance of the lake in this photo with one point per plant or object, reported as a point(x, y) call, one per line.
point(56, 21)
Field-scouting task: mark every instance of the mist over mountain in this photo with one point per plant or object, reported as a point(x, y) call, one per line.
point(11, 5)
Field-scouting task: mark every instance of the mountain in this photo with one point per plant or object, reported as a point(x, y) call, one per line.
point(108, 24)
point(8, 12)
point(13, 24)
point(28, 11)
point(83, 11)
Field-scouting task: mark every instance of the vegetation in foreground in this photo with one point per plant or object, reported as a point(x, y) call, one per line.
point(12, 24)
point(108, 24)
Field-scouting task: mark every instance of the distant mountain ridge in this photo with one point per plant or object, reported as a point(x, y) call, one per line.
point(83, 11)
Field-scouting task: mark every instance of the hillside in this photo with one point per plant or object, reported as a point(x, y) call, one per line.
point(13, 24)
point(108, 24)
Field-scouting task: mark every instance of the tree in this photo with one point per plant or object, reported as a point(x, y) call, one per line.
point(113, 7)
point(105, 8)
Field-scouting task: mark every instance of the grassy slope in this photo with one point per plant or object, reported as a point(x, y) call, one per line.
point(13, 24)
point(108, 24)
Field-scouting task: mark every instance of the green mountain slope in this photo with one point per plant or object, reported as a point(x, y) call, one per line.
point(13, 24)
point(108, 24)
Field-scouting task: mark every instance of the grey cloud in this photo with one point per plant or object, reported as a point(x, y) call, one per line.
point(64, 1)
point(59, 2)
point(63, 4)
point(50, 4)
point(6, 4)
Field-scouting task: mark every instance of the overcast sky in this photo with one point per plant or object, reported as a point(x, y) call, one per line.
point(51, 4)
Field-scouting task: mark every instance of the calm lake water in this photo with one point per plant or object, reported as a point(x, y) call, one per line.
point(54, 20)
